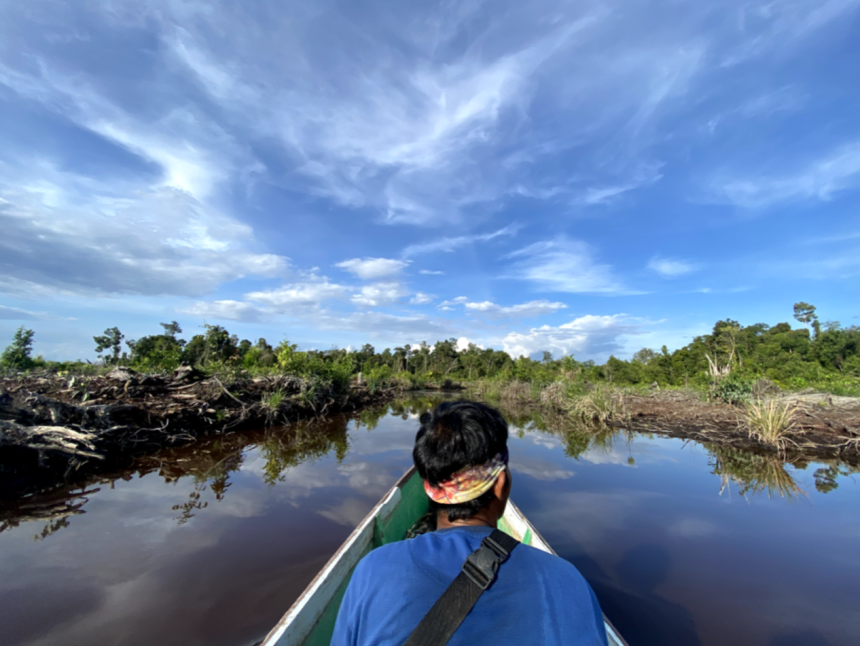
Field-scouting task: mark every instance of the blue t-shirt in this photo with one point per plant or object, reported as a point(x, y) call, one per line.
point(537, 598)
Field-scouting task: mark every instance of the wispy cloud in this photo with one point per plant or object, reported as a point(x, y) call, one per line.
point(669, 268)
point(18, 314)
point(589, 335)
point(373, 268)
point(820, 180)
point(522, 310)
point(156, 243)
point(564, 265)
point(421, 298)
point(226, 310)
point(430, 272)
point(379, 294)
point(450, 244)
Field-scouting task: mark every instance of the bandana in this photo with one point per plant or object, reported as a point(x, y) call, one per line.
point(468, 483)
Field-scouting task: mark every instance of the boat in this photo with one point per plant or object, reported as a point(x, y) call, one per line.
point(310, 620)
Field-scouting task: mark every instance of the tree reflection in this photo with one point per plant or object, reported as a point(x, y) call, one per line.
point(753, 473)
point(826, 477)
point(304, 443)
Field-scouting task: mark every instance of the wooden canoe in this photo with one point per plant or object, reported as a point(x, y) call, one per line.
point(310, 620)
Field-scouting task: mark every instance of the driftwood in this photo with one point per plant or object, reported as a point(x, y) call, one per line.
point(55, 428)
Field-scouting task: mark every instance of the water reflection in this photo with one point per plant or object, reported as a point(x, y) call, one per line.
point(214, 541)
point(210, 462)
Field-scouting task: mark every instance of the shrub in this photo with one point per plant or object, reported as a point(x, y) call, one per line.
point(554, 395)
point(770, 422)
point(378, 378)
point(516, 390)
point(599, 405)
point(733, 390)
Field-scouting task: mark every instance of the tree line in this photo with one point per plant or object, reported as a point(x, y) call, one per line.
point(817, 354)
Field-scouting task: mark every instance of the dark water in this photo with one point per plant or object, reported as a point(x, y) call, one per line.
point(211, 544)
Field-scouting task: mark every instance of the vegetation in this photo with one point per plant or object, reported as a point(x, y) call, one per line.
point(731, 364)
point(770, 421)
point(17, 355)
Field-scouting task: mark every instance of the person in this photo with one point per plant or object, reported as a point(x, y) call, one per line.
point(537, 598)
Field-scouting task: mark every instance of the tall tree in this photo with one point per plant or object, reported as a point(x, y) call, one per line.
point(110, 340)
point(17, 353)
point(171, 329)
point(805, 313)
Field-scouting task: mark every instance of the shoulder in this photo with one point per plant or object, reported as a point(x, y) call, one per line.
point(383, 559)
point(549, 567)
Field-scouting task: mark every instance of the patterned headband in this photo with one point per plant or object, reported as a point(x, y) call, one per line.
point(468, 483)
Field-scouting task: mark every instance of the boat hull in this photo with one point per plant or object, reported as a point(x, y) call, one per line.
point(310, 620)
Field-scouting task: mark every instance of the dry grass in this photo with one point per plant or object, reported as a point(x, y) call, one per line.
point(771, 422)
point(600, 405)
point(755, 474)
point(515, 391)
point(554, 395)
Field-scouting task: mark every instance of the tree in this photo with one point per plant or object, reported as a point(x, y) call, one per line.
point(110, 340)
point(171, 329)
point(645, 355)
point(546, 357)
point(805, 313)
point(17, 354)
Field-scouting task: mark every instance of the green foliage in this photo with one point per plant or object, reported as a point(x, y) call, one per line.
point(334, 367)
point(725, 362)
point(378, 378)
point(733, 390)
point(157, 352)
point(110, 340)
point(17, 354)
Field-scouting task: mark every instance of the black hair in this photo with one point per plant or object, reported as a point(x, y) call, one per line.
point(455, 435)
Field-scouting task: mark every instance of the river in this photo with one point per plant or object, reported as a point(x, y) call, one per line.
point(683, 544)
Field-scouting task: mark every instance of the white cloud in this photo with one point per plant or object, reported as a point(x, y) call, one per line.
point(821, 180)
point(671, 268)
point(311, 292)
point(159, 242)
point(463, 344)
point(459, 300)
point(225, 310)
point(379, 294)
point(523, 310)
point(564, 265)
point(373, 268)
point(421, 299)
point(429, 272)
point(18, 314)
point(450, 244)
point(588, 335)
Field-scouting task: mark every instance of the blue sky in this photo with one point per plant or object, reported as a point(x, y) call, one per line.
point(579, 177)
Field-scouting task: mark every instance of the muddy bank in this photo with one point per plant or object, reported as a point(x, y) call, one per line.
point(60, 429)
point(825, 427)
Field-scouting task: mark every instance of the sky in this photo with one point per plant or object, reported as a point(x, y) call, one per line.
point(586, 178)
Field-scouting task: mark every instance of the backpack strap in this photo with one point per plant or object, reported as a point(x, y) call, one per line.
point(478, 573)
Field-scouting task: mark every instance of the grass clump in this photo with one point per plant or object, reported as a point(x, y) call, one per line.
point(771, 422)
point(601, 404)
point(516, 390)
point(554, 395)
point(272, 403)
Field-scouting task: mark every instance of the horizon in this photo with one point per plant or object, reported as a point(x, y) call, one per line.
point(528, 177)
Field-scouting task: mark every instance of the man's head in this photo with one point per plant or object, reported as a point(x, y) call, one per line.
point(467, 441)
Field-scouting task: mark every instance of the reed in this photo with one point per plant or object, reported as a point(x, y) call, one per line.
point(516, 391)
point(770, 422)
point(599, 405)
point(555, 395)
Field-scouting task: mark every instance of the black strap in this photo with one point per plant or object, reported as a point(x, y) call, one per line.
point(478, 573)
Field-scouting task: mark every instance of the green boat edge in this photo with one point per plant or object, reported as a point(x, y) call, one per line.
point(310, 620)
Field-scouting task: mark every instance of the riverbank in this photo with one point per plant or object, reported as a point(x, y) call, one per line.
point(792, 425)
point(56, 429)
